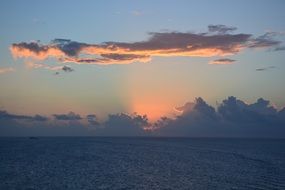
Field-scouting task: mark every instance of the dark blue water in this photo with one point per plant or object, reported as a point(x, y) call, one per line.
point(141, 163)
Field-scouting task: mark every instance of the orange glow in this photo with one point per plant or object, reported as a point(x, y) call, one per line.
point(19, 52)
point(153, 110)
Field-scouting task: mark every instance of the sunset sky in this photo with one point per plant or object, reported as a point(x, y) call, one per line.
point(149, 57)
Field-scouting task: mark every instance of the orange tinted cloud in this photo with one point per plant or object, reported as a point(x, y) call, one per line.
point(216, 42)
point(35, 51)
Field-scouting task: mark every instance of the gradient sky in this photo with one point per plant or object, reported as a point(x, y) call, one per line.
point(154, 88)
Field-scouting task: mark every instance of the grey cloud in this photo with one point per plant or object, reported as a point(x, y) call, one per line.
point(67, 69)
point(70, 48)
point(221, 29)
point(265, 68)
point(233, 118)
point(91, 118)
point(265, 41)
point(68, 117)
point(281, 48)
point(186, 42)
point(7, 116)
point(124, 125)
point(223, 61)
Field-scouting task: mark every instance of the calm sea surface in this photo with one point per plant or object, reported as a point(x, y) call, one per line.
point(141, 163)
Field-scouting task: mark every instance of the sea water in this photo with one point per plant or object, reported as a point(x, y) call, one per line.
point(141, 163)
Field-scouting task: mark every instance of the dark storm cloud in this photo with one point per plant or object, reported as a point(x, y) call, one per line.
point(222, 29)
point(67, 117)
point(217, 42)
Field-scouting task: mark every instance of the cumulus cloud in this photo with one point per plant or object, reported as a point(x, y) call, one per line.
point(124, 125)
point(6, 70)
point(232, 118)
point(217, 42)
point(223, 61)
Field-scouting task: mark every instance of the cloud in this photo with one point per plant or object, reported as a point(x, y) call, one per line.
point(217, 42)
point(6, 70)
point(223, 61)
point(38, 125)
point(124, 125)
point(67, 69)
point(265, 41)
point(4, 115)
point(67, 117)
point(232, 118)
point(281, 48)
point(221, 29)
point(91, 118)
point(32, 65)
point(265, 68)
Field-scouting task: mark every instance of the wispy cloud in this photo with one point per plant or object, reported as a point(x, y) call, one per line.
point(265, 68)
point(32, 65)
point(6, 70)
point(223, 61)
point(69, 116)
point(65, 68)
point(218, 41)
point(221, 29)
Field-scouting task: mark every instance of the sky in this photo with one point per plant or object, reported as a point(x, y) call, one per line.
point(111, 62)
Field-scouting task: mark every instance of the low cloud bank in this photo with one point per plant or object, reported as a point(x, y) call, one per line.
point(232, 118)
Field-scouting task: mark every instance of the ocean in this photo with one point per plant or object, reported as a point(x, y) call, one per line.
point(141, 163)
